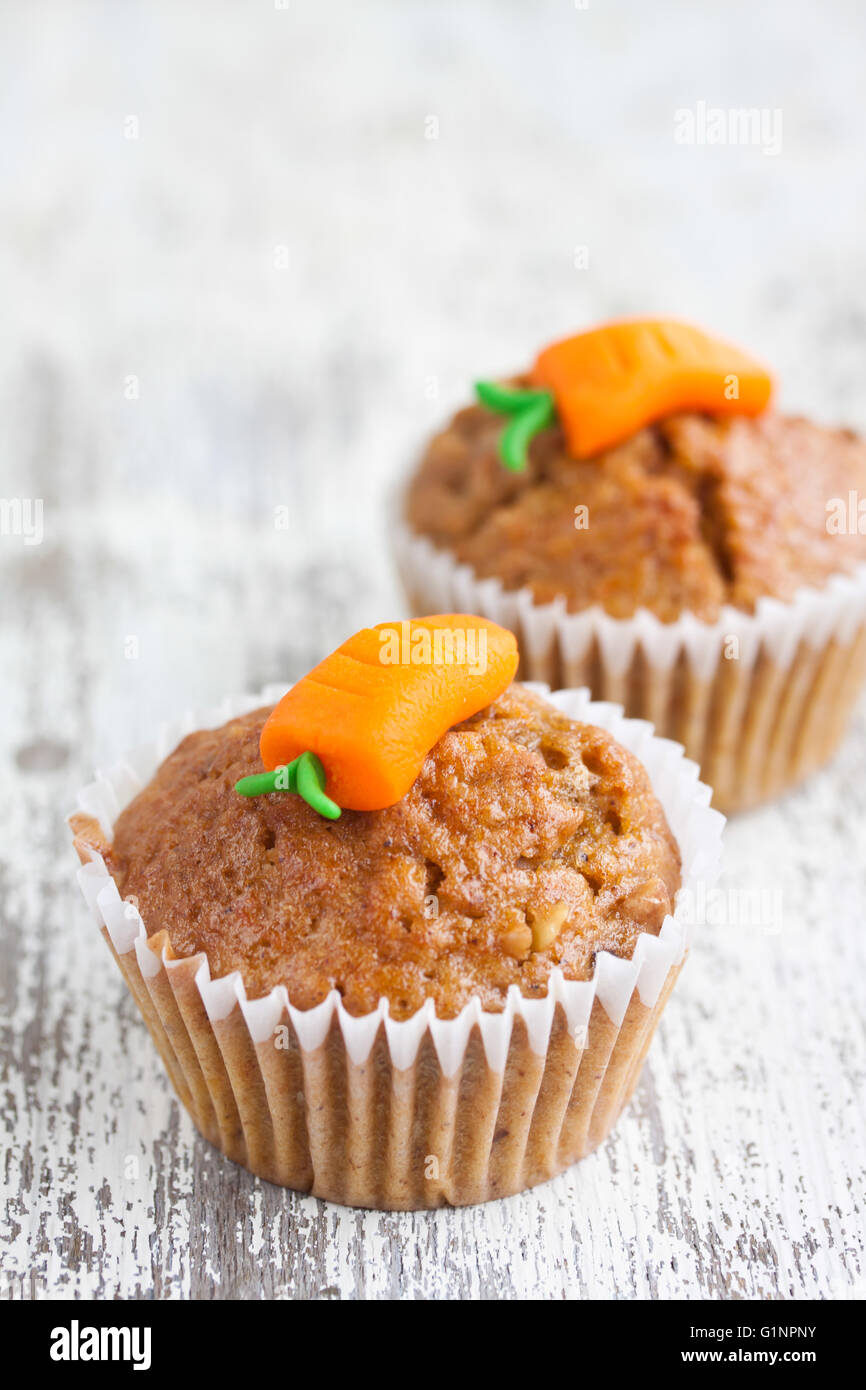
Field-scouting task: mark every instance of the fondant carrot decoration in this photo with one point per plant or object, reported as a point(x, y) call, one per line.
point(369, 714)
point(531, 411)
point(608, 383)
point(304, 775)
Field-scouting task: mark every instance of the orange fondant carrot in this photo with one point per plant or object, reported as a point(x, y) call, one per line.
point(610, 382)
point(372, 710)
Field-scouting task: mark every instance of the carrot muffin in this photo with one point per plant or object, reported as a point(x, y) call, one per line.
point(382, 1045)
point(527, 841)
point(639, 556)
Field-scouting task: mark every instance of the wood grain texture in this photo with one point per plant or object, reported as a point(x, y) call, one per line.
point(301, 285)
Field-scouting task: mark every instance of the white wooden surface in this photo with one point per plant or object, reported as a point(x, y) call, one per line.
point(301, 283)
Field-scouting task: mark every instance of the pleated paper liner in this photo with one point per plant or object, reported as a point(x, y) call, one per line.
point(374, 1112)
point(759, 700)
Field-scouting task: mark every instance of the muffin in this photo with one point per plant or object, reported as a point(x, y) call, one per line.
point(706, 570)
point(440, 1001)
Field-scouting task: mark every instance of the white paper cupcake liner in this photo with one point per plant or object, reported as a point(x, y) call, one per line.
point(374, 1111)
point(756, 722)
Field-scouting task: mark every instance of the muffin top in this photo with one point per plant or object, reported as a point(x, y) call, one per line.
point(527, 841)
point(687, 515)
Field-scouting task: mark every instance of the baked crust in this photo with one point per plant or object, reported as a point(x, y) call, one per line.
point(528, 841)
point(686, 516)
